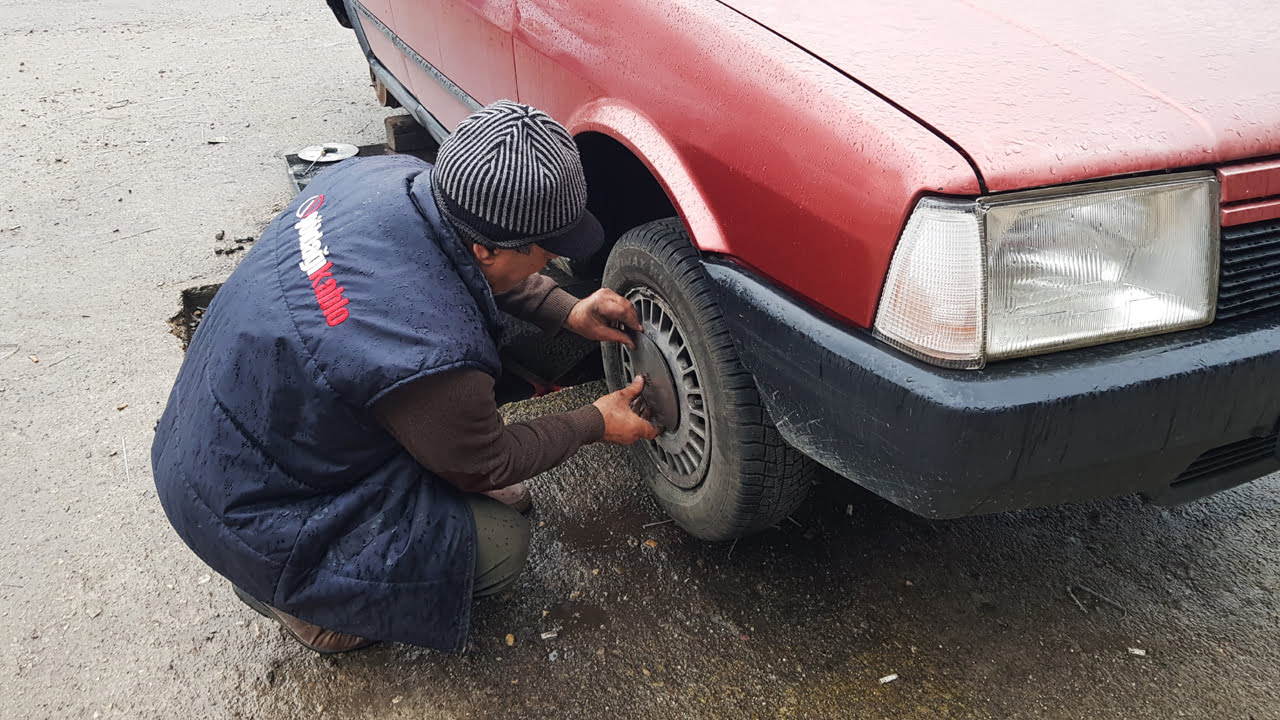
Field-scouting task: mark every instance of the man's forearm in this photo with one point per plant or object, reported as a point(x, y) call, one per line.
point(450, 424)
point(538, 300)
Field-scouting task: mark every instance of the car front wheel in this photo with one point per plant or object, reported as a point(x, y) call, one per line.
point(720, 469)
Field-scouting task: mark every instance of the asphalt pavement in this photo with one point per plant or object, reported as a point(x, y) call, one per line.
point(142, 140)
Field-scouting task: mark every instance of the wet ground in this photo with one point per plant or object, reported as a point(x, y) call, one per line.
point(112, 198)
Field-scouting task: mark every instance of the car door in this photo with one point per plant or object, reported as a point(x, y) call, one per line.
point(372, 15)
point(461, 55)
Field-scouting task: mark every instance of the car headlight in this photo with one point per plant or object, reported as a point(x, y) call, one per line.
point(1031, 272)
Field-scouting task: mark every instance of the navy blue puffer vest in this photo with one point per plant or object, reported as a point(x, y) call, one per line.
point(267, 460)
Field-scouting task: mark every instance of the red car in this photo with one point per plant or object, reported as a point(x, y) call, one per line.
point(974, 255)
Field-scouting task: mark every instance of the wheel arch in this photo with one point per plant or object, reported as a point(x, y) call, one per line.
point(635, 175)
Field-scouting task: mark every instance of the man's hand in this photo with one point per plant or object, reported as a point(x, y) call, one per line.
point(621, 425)
point(597, 317)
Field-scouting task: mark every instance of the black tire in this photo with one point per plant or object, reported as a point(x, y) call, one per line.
point(739, 477)
point(339, 9)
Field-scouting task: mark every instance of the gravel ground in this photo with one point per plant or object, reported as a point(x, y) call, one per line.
point(111, 197)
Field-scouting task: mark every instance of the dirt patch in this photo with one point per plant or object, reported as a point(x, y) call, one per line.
point(195, 300)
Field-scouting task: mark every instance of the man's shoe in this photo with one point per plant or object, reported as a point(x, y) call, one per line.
point(313, 637)
point(515, 497)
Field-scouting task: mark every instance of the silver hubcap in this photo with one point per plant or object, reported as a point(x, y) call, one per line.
point(682, 452)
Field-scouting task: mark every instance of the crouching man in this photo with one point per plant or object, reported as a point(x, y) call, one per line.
point(331, 444)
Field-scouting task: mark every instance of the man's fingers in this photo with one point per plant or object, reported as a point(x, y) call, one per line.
point(627, 418)
point(616, 309)
point(628, 316)
point(608, 316)
point(615, 335)
point(632, 391)
point(631, 320)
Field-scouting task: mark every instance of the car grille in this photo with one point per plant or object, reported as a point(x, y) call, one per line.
point(1250, 279)
point(1228, 457)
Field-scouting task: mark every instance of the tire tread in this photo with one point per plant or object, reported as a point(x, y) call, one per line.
point(772, 479)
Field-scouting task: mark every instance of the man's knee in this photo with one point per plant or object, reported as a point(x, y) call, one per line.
point(502, 545)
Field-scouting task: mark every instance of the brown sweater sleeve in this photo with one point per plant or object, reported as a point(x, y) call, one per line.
point(538, 300)
point(450, 424)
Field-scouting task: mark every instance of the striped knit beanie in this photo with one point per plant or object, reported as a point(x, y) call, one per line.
point(510, 176)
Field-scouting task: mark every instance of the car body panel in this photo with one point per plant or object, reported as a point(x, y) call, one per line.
point(1250, 181)
point(623, 123)
point(378, 12)
point(1251, 212)
point(1250, 192)
point(1042, 92)
point(409, 68)
point(803, 162)
point(791, 162)
point(469, 41)
point(835, 172)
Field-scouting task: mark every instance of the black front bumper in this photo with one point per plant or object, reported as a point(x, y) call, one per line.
point(1101, 422)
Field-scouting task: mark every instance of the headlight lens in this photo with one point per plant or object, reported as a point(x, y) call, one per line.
point(1025, 273)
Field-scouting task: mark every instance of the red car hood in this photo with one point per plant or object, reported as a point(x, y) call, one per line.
point(1040, 92)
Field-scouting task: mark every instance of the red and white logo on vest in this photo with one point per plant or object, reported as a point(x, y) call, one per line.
point(315, 262)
